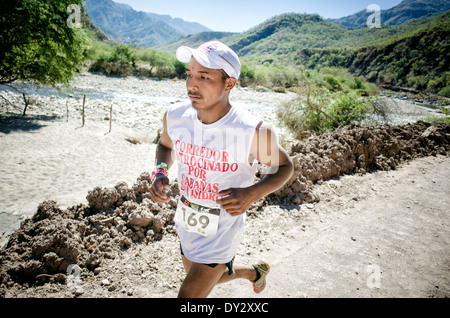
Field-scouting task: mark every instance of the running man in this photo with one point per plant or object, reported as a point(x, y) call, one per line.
point(217, 148)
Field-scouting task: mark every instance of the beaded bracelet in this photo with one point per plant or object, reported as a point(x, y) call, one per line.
point(161, 168)
point(158, 171)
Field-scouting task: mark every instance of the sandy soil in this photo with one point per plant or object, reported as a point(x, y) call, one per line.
point(384, 234)
point(377, 227)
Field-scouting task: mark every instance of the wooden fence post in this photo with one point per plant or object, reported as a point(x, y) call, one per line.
point(84, 102)
point(110, 117)
point(26, 104)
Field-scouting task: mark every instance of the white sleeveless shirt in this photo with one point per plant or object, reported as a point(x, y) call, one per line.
point(212, 158)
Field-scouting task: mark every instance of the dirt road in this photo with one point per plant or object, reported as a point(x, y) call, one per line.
point(385, 234)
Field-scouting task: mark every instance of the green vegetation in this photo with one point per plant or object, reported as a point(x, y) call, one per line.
point(269, 75)
point(281, 77)
point(337, 79)
point(400, 14)
point(37, 45)
point(440, 119)
point(418, 58)
point(125, 60)
point(327, 99)
point(332, 68)
point(280, 38)
point(194, 40)
point(319, 111)
point(414, 54)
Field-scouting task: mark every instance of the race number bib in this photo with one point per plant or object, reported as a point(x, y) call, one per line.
point(196, 218)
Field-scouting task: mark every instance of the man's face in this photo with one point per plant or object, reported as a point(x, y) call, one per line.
point(206, 87)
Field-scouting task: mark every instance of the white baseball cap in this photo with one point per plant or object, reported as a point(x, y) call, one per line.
point(214, 55)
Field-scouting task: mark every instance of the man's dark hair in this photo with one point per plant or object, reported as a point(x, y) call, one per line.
point(225, 76)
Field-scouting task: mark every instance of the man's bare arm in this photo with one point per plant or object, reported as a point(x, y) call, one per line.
point(280, 165)
point(267, 151)
point(163, 154)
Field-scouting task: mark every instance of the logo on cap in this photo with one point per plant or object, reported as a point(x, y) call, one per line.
point(208, 47)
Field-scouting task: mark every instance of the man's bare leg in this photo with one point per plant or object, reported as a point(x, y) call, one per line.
point(240, 271)
point(201, 279)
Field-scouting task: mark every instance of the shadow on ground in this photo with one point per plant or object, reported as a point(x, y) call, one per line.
point(15, 122)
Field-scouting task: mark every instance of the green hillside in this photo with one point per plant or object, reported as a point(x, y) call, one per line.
point(280, 38)
point(277, 39)
point(414, 54)
point(406, 11)
point(285, 34)
point(194, 40)
point(418, 58)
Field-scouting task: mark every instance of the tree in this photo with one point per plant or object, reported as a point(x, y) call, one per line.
point(41, 41)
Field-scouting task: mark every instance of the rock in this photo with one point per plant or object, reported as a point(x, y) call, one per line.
point(79, 291)
point(141, 215)
point(140, 221)
point(429, 131)
point(113, 287)
point(157, 225)
point(359, 148)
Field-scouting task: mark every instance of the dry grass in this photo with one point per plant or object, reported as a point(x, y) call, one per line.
point(145, 139)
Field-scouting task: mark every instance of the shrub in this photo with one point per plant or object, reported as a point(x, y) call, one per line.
point(332, 83)
point(247, 74)
point(445, 92)
point(318, 110)
point(123, 54)
point(37, 45)
point(418, 82)
point(347, 108)
point(179, 67)
point(358, 83)
point(126, 60)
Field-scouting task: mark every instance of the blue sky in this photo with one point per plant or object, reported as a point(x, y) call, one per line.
point(241, 15)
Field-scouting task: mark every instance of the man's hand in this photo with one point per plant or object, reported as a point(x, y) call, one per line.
point(236, 200)
point(160, 184)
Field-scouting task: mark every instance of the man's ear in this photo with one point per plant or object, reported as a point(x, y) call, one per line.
point(230, 83)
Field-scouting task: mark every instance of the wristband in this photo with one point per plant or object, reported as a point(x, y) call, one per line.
point(162, 165)
point(158, 171)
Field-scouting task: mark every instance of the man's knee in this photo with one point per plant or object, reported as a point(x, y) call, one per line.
point(195, 289)
point(200, 281)
point(189, 292)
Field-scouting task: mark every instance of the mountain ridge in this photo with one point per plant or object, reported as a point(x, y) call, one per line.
point(404, 12)
point(278, 35)
point(143, 29)
point(414, 54)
